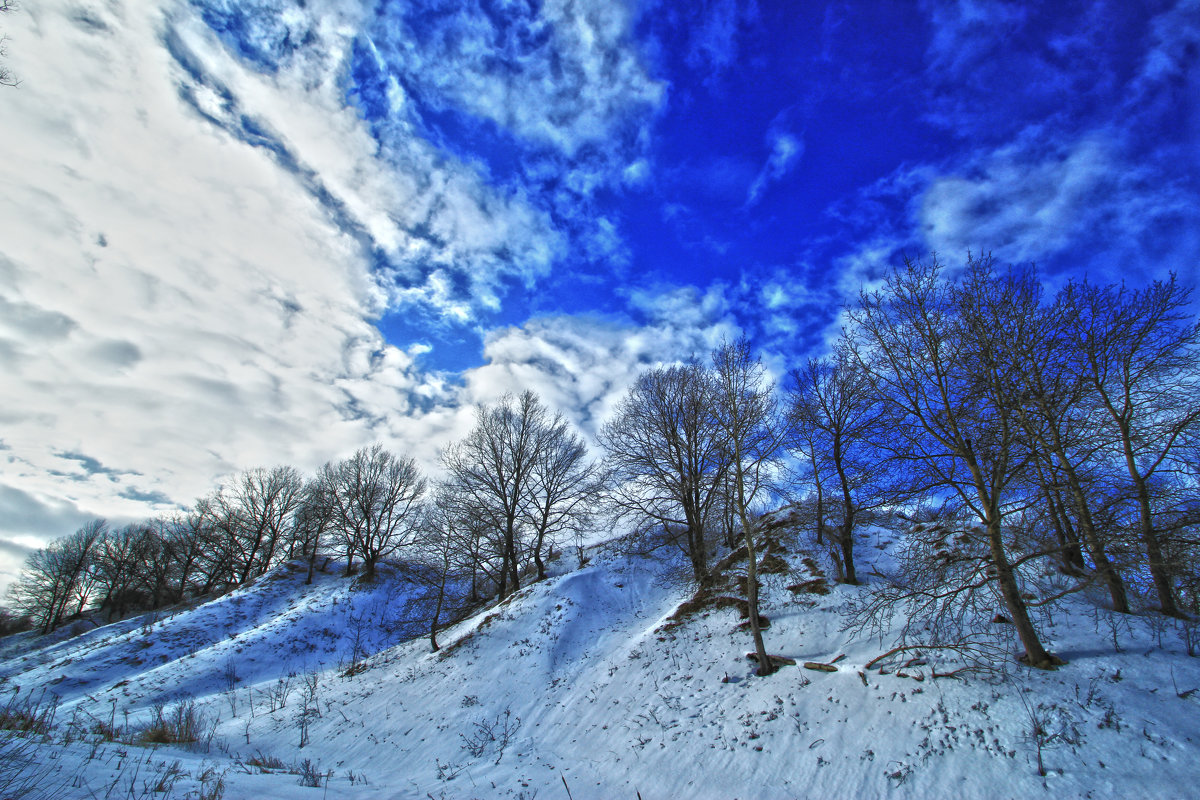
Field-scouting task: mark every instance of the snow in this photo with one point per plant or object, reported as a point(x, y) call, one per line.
point(606, 696)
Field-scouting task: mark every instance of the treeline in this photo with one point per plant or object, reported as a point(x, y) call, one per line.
point(516, 487)
point(1027, 431)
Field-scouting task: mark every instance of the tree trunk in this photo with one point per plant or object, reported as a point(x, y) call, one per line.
point(765, 666)
point(1154, 554)
point(437, 612)
point(1068, 541)
point(1035, 654)
point(1112, 578)
point(537, 555)
point(820, 500)
point(510, 556)
point(846, 539)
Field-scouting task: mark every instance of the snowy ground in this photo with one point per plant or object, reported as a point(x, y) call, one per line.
point(574, 688)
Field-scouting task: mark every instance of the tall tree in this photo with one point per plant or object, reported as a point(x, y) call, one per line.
point(375, 497)
point(260, 504)
point(445, 562)
point(494, 468)
point(51, 585)
point(312, 522)
point(746, 411)
point(563, 489)
point(836, 412)
point(1050, 400)
point(937, 363)
point(190, 537)
point(119, 560)
point(666, 451)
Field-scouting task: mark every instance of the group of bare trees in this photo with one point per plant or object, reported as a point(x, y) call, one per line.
point(690, 448)
point(365, 506)
point(1055, 430)
point(1045, 430)
point(515, 488)
point(521, 481)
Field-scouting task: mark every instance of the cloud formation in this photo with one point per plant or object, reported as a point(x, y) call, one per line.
point(244, 232)
point(188, 290)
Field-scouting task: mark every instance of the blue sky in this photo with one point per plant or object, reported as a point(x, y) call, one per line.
point(762, 148)
point(246, 232)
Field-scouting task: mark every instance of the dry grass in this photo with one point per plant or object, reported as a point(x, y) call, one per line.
point(28, 715)
point(772, 564)
point(703, 600)
point(814, 586)
point(182, 723)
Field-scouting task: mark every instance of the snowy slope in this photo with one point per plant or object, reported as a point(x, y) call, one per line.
point(606, 692)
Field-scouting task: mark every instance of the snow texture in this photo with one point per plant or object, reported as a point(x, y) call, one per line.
point(584, 685)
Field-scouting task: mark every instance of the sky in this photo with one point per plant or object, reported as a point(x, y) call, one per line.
point(239, 233)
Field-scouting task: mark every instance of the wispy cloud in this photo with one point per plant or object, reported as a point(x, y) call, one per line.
point(786, 151)
point(713, 41)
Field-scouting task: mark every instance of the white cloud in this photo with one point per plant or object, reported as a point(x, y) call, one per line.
point(192, 252)
point(714, 26)
point(964, 31)
point(561, 74)
point(1029, 200)
point(583, 365)
point(177, 302)
point(1175, 40)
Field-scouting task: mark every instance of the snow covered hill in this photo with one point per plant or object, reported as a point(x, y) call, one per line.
point(609, 681)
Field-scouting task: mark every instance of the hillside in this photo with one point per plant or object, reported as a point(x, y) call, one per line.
point(603, 682)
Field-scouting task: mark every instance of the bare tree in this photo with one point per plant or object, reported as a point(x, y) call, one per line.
point(119, 559)
point(51, 585)
point(666, 450)
point(1049, 398)
point(836, 417)
point(933, 353)
point(258, 513)
point(478, 543)
point(375, 497)
point(444, 563)
point(6, 76)
point(494, 470)
point(311, 524)
point(213, 527)
point(746, 411)
point(563, 489)
point(189, 538)
point(1142, 359)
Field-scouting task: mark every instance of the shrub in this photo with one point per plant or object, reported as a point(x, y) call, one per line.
point(182, 723)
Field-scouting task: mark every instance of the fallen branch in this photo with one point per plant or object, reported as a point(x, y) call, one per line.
point(817, 665)
point(778, 661)
point(951, 674)
point(906, 647)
